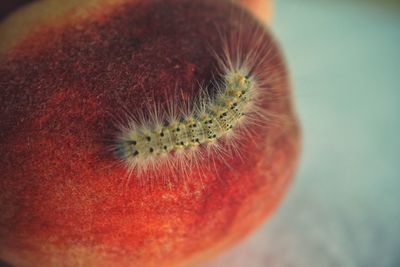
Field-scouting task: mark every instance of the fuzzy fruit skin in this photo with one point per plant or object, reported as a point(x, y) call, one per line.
point(261, 9)
point(62, 202)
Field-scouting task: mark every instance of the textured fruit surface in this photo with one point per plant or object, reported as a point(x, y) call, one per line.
point(64, 200)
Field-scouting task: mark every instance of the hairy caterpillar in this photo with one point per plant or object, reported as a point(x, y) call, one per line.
point(210, 121)
point(175, 139)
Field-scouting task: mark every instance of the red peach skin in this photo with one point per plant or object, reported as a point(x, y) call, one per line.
point(66, 70)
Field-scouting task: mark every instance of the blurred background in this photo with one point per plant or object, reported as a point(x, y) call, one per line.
point(343, 209)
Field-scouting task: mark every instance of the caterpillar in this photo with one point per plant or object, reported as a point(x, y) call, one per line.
point(139, 145)
point(210, 122)
point(177, 138)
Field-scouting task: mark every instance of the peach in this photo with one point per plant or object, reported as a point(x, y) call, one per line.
point(66, 71)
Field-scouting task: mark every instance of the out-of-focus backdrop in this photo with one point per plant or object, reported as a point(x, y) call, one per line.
point(343, 209)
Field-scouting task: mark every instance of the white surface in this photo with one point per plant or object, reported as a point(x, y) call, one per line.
point(344, 207)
